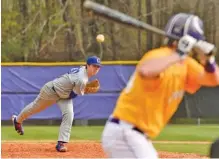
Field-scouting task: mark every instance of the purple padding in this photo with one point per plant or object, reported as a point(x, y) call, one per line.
point(95, 106)
point(32, 78)
point(21, 84)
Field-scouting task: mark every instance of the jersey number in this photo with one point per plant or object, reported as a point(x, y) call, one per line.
point(74, 70)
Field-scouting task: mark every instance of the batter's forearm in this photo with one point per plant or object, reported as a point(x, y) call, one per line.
point(211, 74)
point(210, 79)
point(153, 67)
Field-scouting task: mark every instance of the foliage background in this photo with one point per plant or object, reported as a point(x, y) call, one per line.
point(61, 30)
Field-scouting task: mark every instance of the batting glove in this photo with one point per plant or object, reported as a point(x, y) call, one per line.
point(205, 47)
point(185, 45)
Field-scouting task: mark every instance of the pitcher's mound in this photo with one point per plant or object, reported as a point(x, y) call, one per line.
point(75, 150)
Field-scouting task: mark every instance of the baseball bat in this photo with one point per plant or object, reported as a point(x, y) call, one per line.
point(122, 18)
point(125, 19)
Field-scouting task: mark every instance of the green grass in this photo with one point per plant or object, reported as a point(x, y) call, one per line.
point(189, 133)
point(201, 149)
point(51, 133)
point(170, 133)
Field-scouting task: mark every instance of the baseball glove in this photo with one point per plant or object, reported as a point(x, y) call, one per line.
point(92, 87)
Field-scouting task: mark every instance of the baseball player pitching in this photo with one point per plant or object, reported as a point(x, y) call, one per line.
point(61, 91)
point(156, 88)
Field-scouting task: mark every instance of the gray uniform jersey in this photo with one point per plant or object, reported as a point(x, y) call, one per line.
point(75, 80)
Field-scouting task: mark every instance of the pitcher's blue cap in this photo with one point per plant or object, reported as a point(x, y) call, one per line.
point(94, 60)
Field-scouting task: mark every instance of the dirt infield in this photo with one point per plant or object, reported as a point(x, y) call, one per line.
point(75, 150)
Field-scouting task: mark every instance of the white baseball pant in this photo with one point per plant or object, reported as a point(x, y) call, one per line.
point(121, 141)
point(46, 98)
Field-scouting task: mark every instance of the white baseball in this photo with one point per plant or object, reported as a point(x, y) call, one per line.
point(100, 38)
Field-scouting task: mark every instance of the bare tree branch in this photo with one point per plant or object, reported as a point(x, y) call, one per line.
point(79, 36)
point(28, 26)
point(36, 15)
point(54, 36)
point(38, 46)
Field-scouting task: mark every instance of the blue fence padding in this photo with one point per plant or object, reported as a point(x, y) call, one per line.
point(31, 79)
point(21, 84)
point(98, 106)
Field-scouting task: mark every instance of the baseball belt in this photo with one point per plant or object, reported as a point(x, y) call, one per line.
point(117, 121)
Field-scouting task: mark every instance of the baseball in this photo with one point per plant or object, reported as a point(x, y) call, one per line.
point(100, 38)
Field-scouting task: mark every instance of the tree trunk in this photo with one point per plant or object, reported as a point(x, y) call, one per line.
point(112, 38)
point(70, 40)
point(49, 5)
point(214, 22)
point(83, 26)
point(149, 40)
point(24, 13)
point(45, 27)
point(139, 31)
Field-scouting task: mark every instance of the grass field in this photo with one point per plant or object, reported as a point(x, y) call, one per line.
point(193, 133)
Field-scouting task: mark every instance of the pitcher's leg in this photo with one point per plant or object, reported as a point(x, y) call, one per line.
point(66, 107)
point(46, 98)
point(34, 107)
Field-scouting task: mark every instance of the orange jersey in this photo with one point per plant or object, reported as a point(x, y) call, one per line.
point(150, 103)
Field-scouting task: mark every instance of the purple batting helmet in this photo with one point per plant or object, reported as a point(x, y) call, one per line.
point(185, 24)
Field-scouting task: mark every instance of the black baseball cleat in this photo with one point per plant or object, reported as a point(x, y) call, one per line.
point(60, 147)
point(18, 127)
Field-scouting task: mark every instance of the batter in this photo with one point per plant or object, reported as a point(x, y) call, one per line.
point(156, 88)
